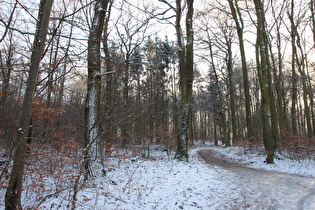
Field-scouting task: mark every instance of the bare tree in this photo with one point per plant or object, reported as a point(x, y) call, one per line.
point(228, 34)
point(237, 16)
point(278, 65)
point(131, 28)
point(263, 66)
point(6, 70)
point(14, 190)
point(8, 23)
point(186, 62)
point(93, 155)
point(294, 72)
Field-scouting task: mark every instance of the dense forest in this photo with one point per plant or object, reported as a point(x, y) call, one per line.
point(82, 79)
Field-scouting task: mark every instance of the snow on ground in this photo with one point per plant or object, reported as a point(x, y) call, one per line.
point(164, 183)
point(255, 159)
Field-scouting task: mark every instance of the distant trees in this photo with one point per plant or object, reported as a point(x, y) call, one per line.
point(281, 106)
point(131, 32)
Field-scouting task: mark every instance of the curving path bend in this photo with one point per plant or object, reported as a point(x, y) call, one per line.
point(268, 189)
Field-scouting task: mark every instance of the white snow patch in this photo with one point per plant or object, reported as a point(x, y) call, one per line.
point(164, 183)
point(255, 160)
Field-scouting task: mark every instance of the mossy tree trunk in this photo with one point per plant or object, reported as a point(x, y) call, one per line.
point(186, 77)
point(264, 72)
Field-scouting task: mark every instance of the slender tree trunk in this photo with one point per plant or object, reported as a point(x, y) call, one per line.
point(294, 74)
point(93, 155)
point(240, 28)
point(312, 6)
point(52, 68)
point(174, 103)
point(311, 97)
point(64, 71)
point(14, 190)
point(138, 126)
point(278, 70)
point(273, 111)
point(215, 133)
point(109, 131)
point(283, 122)
point(6, 69)
point(219, 113)
point(306, 89)
point(126, 125)
point(231, 88)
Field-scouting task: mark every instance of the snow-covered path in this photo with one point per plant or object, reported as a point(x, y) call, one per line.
point(160, 182)
point(266, 189)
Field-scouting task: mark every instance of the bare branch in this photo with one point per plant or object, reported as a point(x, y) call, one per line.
point(168, 4)
point(9, 22)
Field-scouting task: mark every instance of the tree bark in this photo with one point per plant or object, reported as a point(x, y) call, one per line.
point(265, 80)
point(13, 193)
point(186, 77)
point(93, 155)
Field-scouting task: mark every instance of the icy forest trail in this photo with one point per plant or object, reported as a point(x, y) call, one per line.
point(265, 188)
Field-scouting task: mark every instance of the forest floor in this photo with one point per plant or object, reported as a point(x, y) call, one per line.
point(215, 178)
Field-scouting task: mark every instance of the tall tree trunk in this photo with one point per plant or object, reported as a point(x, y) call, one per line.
point(306, 89)
point(14, 190)
point(174, 103)
point(186, 76)
point(108, 127)
point(219, 112)
point(294, 74)
point(93, 155)
point(265, 79)
point(311, 97)
point(231, 87)
point(278, 70)
point(125, 128)
point(240, 28)
point(312, 6)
